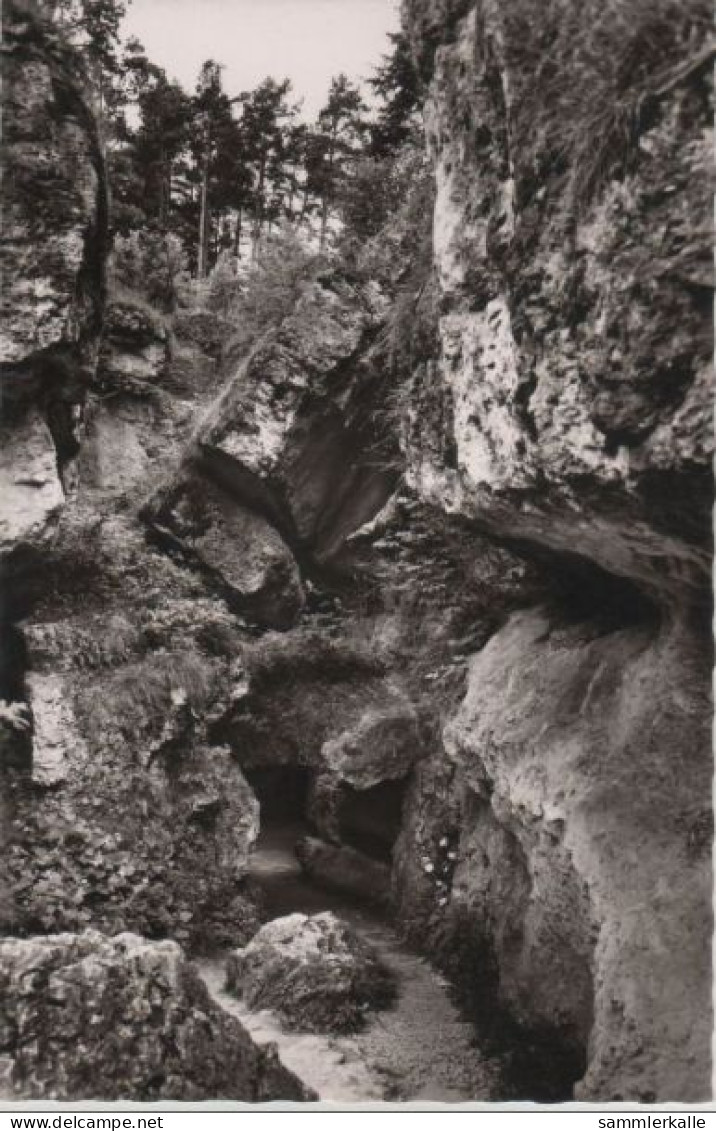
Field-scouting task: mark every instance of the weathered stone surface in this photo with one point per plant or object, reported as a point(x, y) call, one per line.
point(382, 746)
point(576, 370)
point(135, 347)
point(56, 742)
point(54, 205)
point(568, 414)
point(585, 853)
point(314, 971)
point(85, 1017)
point(30, 486)
point(148, 824)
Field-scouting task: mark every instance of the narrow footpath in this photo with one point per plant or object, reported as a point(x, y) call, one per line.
point(419, 1050)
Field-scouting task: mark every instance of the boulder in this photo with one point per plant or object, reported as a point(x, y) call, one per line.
point(243, 555)
point(86, 1017)
point(314, 971)
point(382, 746)
point(344, 869)
point(135, 346)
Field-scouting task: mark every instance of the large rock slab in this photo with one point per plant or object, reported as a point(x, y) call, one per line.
point(314, 971)
point(85, 1017)
point(54, 203)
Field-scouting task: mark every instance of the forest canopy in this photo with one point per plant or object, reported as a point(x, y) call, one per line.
point(215, 171)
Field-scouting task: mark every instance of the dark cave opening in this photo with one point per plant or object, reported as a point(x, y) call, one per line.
point(370, 819)
point(282, 793)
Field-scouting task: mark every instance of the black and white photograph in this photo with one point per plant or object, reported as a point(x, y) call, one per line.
point(356, 487)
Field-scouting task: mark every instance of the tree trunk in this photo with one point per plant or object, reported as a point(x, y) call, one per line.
point(328, 193)
point(203, 256)
point(237, 234)
point(259, 224)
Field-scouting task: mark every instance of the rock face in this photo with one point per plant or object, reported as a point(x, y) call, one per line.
point(117, 810)
point(566, 741)
point(313, 971)
point(574, 394)
point(53, 259)
point(593, 415)
point(87, 1017)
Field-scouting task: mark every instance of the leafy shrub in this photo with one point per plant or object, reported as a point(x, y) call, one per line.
point(150, 264)
point(271, 286)
point(224, 286)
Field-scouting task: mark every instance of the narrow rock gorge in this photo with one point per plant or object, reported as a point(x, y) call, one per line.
point(416, 582)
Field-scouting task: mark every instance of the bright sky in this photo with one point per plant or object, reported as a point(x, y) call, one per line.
point(307, 41)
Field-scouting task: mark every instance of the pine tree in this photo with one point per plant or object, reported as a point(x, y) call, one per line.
point(216, 139)
point(267, 124)
point(397, 85)
point(334, 142)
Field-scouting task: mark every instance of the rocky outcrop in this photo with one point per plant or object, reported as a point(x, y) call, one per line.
point(568, 415)
point(314, 971)
point(87, 1017)
point(447, 601)
point(135, 346)
point(53, 260)
point(116, 811)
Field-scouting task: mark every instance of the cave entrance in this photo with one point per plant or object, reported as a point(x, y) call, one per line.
point(282, 793)
point(370, 819)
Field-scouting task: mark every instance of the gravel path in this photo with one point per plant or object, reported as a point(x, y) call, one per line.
point(420, 1049)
